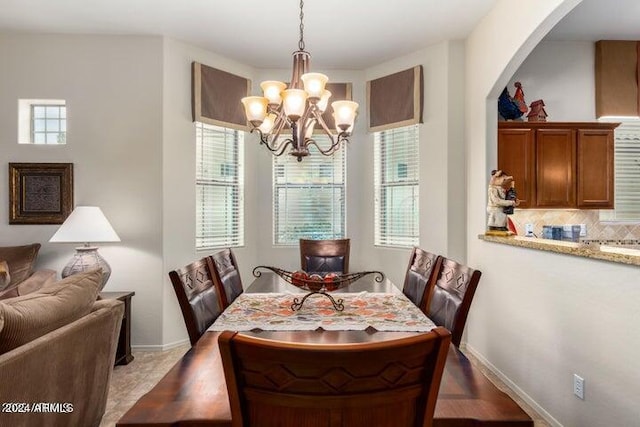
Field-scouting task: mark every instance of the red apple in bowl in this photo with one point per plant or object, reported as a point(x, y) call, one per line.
point(299, 278)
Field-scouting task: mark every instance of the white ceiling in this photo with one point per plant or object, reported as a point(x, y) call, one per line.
point(344, 34)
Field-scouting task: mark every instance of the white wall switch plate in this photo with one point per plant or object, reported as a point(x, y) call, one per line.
point(583, 230)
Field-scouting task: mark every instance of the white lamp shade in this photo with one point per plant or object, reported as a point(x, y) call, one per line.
point(255, 108)
point(294, 103)
point(314, 84)
point(85, 224)
point(272, 90)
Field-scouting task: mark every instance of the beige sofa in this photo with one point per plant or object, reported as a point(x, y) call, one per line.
point(57, 349)
point(17, 275)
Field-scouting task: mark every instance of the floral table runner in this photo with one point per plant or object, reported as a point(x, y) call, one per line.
point(272, 312)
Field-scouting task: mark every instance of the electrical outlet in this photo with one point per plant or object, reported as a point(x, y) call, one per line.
point(528, 230)
point(578, 386)
point(583, 230)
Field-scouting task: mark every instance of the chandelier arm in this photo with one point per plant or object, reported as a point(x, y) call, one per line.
point(328, 152)
point(287, 142)
point(281, 121)
point(324, 127)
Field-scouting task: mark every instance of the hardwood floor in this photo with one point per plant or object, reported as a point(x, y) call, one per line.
point(130, 382)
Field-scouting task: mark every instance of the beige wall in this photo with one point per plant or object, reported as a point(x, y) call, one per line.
point(113, 89)
point(539, 317)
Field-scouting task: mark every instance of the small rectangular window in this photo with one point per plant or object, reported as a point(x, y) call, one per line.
point(627, 173)
point(42, 121)
point(219, 187)
point(396, 185)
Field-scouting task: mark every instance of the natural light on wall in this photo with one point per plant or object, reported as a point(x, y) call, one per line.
point(42, 121)
point(627, 171)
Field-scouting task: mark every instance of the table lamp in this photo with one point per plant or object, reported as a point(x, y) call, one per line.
point(86, 224)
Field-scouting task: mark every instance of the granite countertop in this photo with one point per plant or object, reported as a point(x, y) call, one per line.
point(604, 253)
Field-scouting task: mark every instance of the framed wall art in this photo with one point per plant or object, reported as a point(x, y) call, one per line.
point(40, 193)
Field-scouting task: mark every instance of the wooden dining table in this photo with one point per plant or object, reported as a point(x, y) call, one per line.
point(194, 392)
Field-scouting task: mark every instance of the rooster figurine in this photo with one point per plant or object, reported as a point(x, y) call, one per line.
point(519, 98)
point(508, 107)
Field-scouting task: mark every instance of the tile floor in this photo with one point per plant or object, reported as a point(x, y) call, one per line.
point(130, 382)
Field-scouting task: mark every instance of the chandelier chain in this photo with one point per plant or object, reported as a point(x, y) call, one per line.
point(301, 42)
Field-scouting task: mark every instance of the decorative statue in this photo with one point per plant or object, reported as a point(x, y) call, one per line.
point(519, 98)
point(508, 107)
point(497, 201)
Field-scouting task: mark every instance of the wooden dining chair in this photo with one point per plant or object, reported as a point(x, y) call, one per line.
point(200, 300)
point(226, 275)
point(384, 384)
point(324, 256)
point(450, 298)
point(420, 277)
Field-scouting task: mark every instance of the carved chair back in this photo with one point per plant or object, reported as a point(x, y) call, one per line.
point(200, 300)
point(226, 275)
point(385, 384)
point(420, 277)
point(323, 256)
point(451, 297)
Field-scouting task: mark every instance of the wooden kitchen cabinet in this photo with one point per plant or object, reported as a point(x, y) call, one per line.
point(559, 164)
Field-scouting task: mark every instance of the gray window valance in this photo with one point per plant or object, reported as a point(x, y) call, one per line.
point(395, 100)
point(216, 95)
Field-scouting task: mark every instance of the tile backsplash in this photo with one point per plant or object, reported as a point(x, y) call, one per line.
point(596, 230)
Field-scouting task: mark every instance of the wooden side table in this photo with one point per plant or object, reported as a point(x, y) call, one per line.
point(123, 353)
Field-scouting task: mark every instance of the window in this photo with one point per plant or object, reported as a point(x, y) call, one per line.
point(627, 173)
point(396, 172)
point(42, 121)
point(309, 197)
point(219, 187)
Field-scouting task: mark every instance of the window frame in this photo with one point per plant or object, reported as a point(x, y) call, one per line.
point(383, 237)
point(236, 204)
point(629, 128)
point(316, 179)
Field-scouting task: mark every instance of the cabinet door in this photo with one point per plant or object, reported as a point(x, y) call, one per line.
point(555, 168)
point(516, 156)
point(595, 169)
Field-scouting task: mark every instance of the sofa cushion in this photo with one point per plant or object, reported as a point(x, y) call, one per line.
point(24, 318)
point(5, 278)
point(21, 260)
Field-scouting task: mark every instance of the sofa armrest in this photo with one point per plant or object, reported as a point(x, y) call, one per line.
point(70, 365)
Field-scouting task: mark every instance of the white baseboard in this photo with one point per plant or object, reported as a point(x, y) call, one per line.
point(163, 347)
point(517, 390)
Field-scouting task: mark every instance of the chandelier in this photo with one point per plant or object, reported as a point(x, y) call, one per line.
point(298, 108)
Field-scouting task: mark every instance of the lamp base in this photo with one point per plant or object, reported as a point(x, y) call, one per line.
point(87, 258)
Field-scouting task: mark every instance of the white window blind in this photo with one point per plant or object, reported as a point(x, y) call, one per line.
point(309, 196)
point(627, 173)
point(219, 187)
point(396, 173)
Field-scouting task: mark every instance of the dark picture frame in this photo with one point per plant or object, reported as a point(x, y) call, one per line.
point(40, 193)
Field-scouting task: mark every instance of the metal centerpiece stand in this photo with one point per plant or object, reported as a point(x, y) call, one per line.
point(318, 287)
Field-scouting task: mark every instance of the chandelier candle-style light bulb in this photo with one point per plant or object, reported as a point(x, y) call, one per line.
point(294, 103)
point(314, 85)
point(286, 117)
point(324, 101)
point(272, 90)
point(255, 108)
point(344, 113)
point(268, 123)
